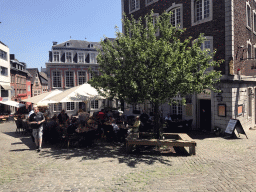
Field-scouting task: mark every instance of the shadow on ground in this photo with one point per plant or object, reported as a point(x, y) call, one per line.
point(100, 149)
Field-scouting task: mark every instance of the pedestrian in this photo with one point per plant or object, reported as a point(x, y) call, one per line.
point(36, 121)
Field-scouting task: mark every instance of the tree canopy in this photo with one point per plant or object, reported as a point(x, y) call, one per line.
point(139, 66)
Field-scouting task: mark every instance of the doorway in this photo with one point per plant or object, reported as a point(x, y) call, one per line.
point(205, 115)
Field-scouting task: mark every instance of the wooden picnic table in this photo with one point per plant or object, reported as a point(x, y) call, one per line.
point(172, 139)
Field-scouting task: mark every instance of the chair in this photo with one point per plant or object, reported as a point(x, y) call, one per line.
point(19, 126)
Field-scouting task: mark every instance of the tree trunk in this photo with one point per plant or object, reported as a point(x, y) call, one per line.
point(156, 121)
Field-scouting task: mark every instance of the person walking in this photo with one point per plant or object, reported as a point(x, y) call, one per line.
point(36, 121)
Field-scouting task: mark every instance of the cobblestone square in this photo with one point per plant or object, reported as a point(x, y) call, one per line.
point(219, 165)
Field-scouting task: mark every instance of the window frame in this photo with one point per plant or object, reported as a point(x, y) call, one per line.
point(71, 55)
point(193, 13)
point(136, 8)
point(57, 107)
point(3, 55)
point(78, 77)
point(58, 54)
point(78, 57)
point(93, 104)
point(250, 16)
point(91, 60)
point(69, 77)
point(70, 106)
point(59, 78)
point(176, 6)
point(147, 4)
point(5, 71)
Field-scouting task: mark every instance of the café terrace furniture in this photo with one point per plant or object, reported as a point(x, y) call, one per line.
point(181, 140)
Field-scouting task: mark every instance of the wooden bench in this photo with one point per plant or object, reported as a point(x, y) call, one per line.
point(171, 139)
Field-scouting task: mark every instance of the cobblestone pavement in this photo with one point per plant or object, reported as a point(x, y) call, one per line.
point(219, 165)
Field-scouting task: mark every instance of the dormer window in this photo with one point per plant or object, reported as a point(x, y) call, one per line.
point(92, 58)
point(80, 57)
point(67, 44)
point(90, 45)
point(56, 56)
point(68, 57)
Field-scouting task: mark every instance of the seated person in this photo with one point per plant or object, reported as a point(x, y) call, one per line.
point(115, 126)
point(63, 117)
point(144, 118)
point(168, 118)
point(90, 122)
point(136, 125)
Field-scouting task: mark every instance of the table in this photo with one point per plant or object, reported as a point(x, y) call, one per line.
point(172, 139)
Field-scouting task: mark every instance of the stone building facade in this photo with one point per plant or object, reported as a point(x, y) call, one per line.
point(229, 27)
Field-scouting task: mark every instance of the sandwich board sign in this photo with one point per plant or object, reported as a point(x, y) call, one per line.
point(235, 124)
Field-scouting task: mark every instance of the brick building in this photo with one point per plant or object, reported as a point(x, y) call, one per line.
point(68, 66)
point(229, 27)
point(39, 82)
point(20, 81)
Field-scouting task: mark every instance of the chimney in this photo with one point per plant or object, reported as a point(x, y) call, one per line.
point(12, 56)
point(54, 43)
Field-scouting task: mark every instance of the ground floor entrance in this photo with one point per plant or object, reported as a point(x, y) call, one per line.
point(205, 114)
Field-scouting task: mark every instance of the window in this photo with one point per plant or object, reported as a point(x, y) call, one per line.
point(92, 58)
point(68, 57)
point(38, 92)
point(155, 16)
point(35, 93)
point(81, 77)
point(254, 21)
point(201, 11)
point(4, 71)
point(249, 52)
point(93, 73)
point(94, 104)
point(248, 15)
point(3, 55)
point(80, 57)
point(28, 88)
point(177, 15)
point(148, 2)
point(206, 45)
point(56, 79)
point(175, 18)
point(56, 56)
point(134, 5)
point(177, 107)
point(4, 93)
point(70, 106)
point(57, 107)
point(69, 79)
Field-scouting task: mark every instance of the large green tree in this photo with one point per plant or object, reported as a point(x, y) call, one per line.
point(139, 66)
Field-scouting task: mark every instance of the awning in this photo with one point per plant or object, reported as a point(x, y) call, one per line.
point(6, 87)
point(12, 103)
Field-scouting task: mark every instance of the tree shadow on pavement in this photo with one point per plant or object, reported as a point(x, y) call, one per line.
point(147, 155)
point(201, 135)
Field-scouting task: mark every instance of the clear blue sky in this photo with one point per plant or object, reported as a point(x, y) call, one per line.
point(29, 26)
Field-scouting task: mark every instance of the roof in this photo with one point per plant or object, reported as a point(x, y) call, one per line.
point(28, 73)
point(77, 44)
point(44, 75)
point(43, 80)
point(33, 72)
point(3, 43)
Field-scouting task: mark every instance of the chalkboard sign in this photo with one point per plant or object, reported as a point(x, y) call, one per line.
point(231, 126)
